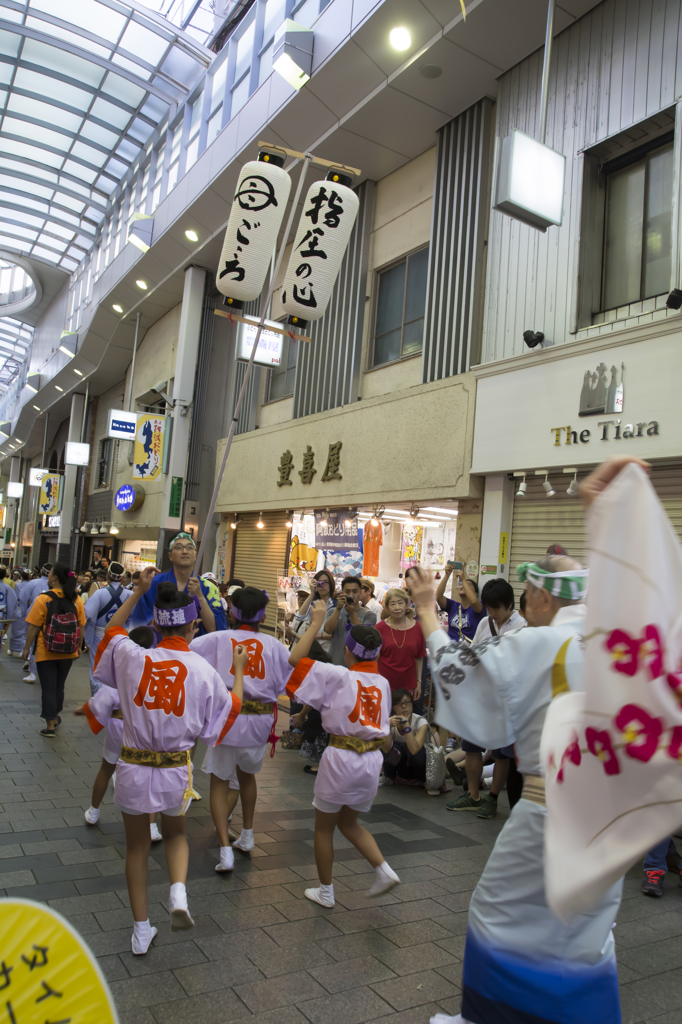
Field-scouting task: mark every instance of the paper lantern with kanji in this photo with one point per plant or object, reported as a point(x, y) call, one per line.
point(259, 204)
point(327, 220)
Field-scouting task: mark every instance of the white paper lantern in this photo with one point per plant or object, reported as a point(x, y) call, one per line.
point(327, 220)
point(257, 211)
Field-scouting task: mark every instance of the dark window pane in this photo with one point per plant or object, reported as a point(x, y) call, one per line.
point(658, 223)
point(415, 298)
point(387, 347)
point(413, 337)
point(390, 303)
point(623, 249)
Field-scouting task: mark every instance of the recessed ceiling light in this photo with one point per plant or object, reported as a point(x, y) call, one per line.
point(142, 284)
point(430, 71)
point(58, 387)
point(118, 309)
point(192, 235)
point(400, 38)
point(36, 407)
point(77, 371)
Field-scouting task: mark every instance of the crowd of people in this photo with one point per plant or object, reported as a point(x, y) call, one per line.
point(176, 658)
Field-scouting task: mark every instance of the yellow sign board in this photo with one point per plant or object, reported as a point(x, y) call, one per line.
point(149, 437)
point(48, 499)
point(47, 973)
point(504, 548)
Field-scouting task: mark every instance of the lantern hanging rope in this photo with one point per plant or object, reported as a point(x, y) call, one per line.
point(329, 213)
point(257, 211)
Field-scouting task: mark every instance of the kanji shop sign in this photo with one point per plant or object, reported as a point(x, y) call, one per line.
point(337, 530)
point(327, 220)
point(332, 469)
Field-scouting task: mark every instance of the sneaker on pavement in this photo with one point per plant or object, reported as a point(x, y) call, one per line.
point(226, 862)
point(244, 843)
point(180, 916)
point(653, 883)
point(316, 896)
point(488, 807)
point(465, 802)
point(92, 816)
point(30, 678)
point(155, 833)
point(386, 879)
point(141, 943)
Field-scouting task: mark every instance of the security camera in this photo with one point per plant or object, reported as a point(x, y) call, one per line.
point(533, 338)
point(160, 385)
point(674, 300)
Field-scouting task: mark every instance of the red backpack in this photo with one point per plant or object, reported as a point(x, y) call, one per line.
point(61, 632)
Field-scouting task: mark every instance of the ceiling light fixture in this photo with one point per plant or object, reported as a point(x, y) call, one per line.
point(400, 38)
point(58, 387)
point(191, 235)
point(260, 525)
point(114, 529)
point(78, 372)
point(142, 284)
point(289, 523)
point(547, 487)
point(573, 487)
point(325, 519)
point(235, 522)
point(521, 492)
point(116, 308)
point(292, 53)
point(533, 338)
point(36, 407)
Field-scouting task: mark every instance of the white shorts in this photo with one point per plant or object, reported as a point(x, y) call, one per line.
point(223, 761)
point(327, 808)
point(172, 812)
point(112, 743)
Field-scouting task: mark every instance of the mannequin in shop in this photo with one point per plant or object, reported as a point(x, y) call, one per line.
point(521, 962)
point(182, 555)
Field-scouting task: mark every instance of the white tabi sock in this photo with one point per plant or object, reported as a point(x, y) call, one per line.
point(226, 860)
point(142, 930)
point(247, 833)
point(327, 891)
point(385, 879)
point(178, 893)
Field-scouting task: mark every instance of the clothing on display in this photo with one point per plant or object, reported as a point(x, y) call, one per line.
point(372, 539)
point(411, 542)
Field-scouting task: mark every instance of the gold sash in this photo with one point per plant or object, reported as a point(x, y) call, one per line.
point(534, 789)
point(255, 707)
point(155, 758)
point(356, 744)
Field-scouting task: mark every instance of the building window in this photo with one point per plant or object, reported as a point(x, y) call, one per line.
point(104, 462)
point(399, 323)
point(637, 231)
point(283, 376)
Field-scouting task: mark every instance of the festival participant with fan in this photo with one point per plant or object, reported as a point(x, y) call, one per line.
point(240, 755)
point(169, 698)
point(355, 706)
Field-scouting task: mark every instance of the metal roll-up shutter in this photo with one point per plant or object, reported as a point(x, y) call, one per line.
point(260, 556)
point(539, 521)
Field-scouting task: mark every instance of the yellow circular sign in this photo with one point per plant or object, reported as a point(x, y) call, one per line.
point(47, 973)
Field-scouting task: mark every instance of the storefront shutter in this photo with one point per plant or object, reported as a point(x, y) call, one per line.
point(260, 556)
point(540, 521)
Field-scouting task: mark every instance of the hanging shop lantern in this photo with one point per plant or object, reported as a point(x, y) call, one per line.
point(327, 220)
point(257, 211)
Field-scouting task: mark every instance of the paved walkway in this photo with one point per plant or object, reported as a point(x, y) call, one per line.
point(260, 952)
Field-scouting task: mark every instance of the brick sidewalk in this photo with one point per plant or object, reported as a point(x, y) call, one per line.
point(260, 952)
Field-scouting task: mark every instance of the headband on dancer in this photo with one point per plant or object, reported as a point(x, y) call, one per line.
point(175, 616)
point(240, 617)
point(363, 653)
point(181, 536)
point(567, 586)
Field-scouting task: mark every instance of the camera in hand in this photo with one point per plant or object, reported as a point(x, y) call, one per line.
point(349, 599)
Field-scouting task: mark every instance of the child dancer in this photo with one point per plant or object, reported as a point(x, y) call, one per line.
point(111, 719)
point(169, 697)
point(243, 748)
point(355, 704)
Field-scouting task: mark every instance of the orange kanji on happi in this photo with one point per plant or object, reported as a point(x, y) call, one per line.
point(367, 710)
point(162, 687)
point(255, 666)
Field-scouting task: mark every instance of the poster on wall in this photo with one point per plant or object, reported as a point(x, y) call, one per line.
point(303, 555)
point(332, 533)
point(148, 447)
point(49, 499)
point(411, 546)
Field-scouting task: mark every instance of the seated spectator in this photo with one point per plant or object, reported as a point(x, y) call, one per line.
point(404, 754)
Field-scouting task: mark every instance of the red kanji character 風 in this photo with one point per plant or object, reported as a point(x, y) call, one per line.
point(255, 666)
point(367, 708)
point(162, 687)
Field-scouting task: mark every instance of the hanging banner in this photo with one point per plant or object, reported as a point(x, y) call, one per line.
point(48, 973)
point(148, 456)
point(411, 545)
point(49, 499)
point(334, 535)
point(327, 220)
point(257, 211)
point(613, 753)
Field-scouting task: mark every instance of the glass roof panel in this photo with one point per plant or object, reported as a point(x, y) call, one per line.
point(91, 16)
point(62, 92)
point(131, 65)
point(9, 41)
point(38, 135)
point(45, 111)
point(88, 153)
point(141, 42)
point(56, 31)
point(60, 60)
point(6, 73)
point(110, 113)
point(123, 90)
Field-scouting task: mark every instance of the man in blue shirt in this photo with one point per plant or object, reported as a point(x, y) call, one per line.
point(465, 614)
point(182, 554)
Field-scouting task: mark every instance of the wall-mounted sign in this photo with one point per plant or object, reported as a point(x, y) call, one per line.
point(175, 500)
point(129, 497)
point(488, 570)
point(14, 489)
point(35, 476)
point(54, 522)
point(269, 351)
point(332, 469)
point(122, 424)
point(504, 548)
point(332, 533)
point(49, 499)
point(148, 455)
point(599, 394)
point(77, 454)
point(27, 535)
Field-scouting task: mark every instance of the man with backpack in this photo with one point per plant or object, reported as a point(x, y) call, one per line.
point(55, 622)
point(101, 606)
